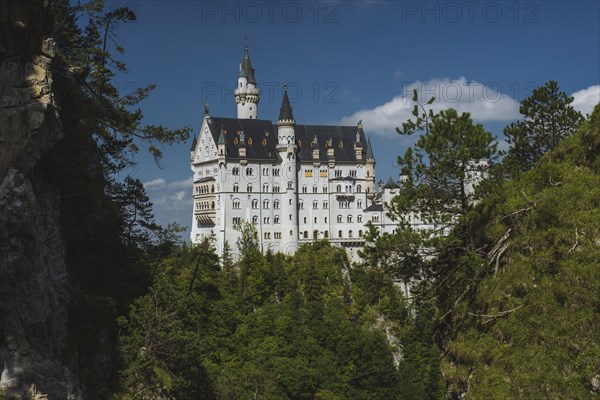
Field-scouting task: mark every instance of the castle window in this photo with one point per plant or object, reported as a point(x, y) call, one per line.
point(350, 233)
point(249, 171)
point(236, 188)
point(338, 173)
point(323, 173)
point(359, 218)
point(359, 204)
point(235, 171)
point(339, 219)
point(250, 139)
point(315, 204)
point(290, 185)
point(266, 204)
point(299, 143)
point(249, 188)
point(359, 188)
point(325, 219)
point(212, 189)
point(266, 220)
point(236, 205)
point(341, 144)
point(255, 219)
point(277, 235)
point(255, 204)
point(291, 233)
point(367, 174)
point(324, 189)
point(304, 189)
point(315, 220)
point(266, 188)
point(305, 234)
point(237, 220)
point(301, 205)
point(276, 219)
point(276, 204)
point(290, 202)
point(267, 235)
point(264, 142)
point(275, 171)
point(304, 219)
point(375, 218)
point(340, 234)
point(276, 189)
point(349, 219)
point(315, 234)
point(235, 140)
point(213, 205)
point(290, 217)
point(314, 189)
point(338, 188)
point(326, 234)
point(308, 173)
point(360, 233)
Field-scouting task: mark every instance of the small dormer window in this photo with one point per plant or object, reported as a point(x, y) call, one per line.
point(264, 141)
point(250, 139)
point(235, 140)
point(341, 144)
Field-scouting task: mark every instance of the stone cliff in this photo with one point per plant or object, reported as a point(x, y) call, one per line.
point(34, 288)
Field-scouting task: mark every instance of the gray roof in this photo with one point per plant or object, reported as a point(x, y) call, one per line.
point(194, 142)
point(374, 207)
point(246, 70)
point(257, 130)
point(369, 150)
point(285, 112)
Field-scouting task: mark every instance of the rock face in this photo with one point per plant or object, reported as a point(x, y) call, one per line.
point(34, 287)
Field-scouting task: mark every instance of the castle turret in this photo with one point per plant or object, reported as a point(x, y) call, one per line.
point(370, 171)
point(247, 94)
point(286, 139)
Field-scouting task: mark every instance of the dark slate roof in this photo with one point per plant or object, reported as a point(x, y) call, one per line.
point(390, 184)
point(347, 178)
point(346, 134)
point(369, 150)
point(255, 129)
point(246, 70)
point(194, 142)
point(254, 133)
point(285, 112)
point(207, 179)
point(374, 207)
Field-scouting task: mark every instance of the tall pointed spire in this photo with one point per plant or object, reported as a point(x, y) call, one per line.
point(221, 137)
point(285, 112)
point(246, 70)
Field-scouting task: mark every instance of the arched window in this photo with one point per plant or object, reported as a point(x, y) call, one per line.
point(248, 171)
point(359, 218)
point(338, 188)
point(315, 234)
point(304, 189)
point(340, 234)
point(325, 205)
point(339, 219)
point(360, 233)
point(266, 204)
point(350, 233)
point(276, 219)
point(276, 204)
point(315, 204)
point(255, 219)
point(235, 140)
point(314, 189)
point(358, 188)
point(249, 140)
point(349, 219)
point(301, 205)
point(290, 185)
point(266, 188)
point(326, 234)
point(375, 218)
point(254, 203)
point(324, 189)
point(341, 144)
point(305, 235)
point(213, 205)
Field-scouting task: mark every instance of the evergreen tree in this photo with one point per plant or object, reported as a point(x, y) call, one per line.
point(549, 118)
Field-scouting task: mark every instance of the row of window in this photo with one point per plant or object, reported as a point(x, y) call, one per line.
point(249, 171)
point(204, 189)
point(249, 188)
point(205, 205)
point(276, 219)
point(326, 234)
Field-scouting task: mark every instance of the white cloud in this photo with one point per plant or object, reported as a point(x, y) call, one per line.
point(185, 184)
point(155, 184)
point(485, 103)
point(586, 99)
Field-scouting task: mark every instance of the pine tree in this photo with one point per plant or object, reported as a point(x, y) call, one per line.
point(549, 118)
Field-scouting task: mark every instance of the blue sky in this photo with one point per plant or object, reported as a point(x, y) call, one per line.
point(346, 61)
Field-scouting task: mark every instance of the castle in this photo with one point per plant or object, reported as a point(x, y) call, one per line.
point(295, 183)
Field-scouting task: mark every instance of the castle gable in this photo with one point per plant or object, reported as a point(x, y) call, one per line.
point(342, 140)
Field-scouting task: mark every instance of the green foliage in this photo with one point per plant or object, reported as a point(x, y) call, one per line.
point(529, 330)
point(549, 118)
point(267, 327)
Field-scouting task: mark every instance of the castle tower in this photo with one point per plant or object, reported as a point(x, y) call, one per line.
point(286, 146)
point(370, 171)
point(247, 94)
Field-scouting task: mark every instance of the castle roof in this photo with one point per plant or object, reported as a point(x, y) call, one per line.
point(285, 112)
point(261, 139)
point(246, 70)
point(369, 150)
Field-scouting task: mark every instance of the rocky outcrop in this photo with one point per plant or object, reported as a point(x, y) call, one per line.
point(34, 291)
